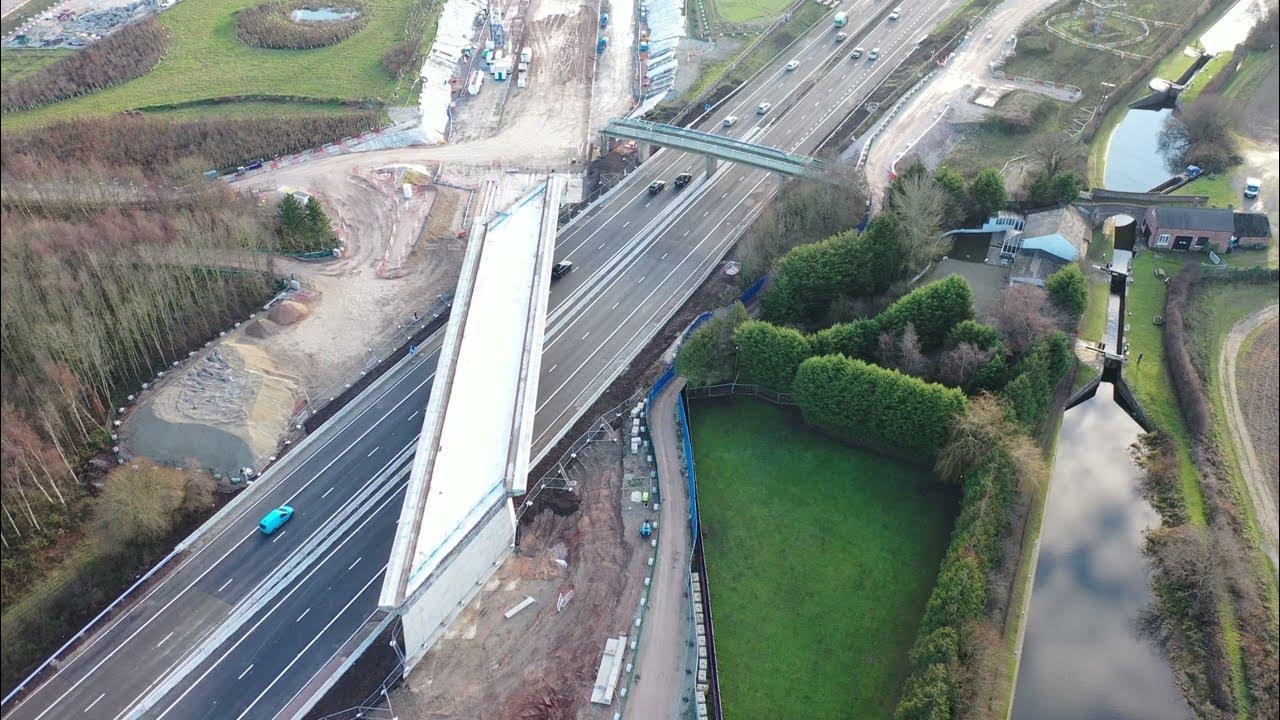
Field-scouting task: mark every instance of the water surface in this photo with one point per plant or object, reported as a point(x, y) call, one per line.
point(326, 14)
point(1134, 162)
point(1082, 658)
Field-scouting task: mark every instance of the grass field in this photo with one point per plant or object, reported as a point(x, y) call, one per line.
point(16, 63)
point(205, 60)
point(749, 11)
point(820, 558)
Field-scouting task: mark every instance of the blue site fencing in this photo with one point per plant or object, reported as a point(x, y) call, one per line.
point(682, 419)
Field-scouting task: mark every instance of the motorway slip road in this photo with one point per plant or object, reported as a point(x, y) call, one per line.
point(241, 612)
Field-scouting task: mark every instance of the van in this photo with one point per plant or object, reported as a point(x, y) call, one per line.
point(729, 121)
point(793, 65)
point(763, 108)
point(274, 519)
point(1252, 186)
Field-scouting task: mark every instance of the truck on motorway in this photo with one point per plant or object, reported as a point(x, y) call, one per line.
point(840, 20)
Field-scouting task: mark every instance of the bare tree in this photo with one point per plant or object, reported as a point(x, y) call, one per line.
point(887, 350)
point(1024, 316)
point(911, 358)
point(917, 204)
point(958, 365)
point(1200, 135)
point(1057, 152)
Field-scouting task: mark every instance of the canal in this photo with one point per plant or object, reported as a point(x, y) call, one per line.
point(1083, 656)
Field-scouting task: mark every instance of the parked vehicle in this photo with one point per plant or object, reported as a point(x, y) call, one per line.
point(841, 37)
point(792, 65)
point(857, 53)
point(763, 108)
point(729, 121)
point(1252, 186)
point(646, 530)
point(272, 521)
point(560, 269)
point(656, 187)
point(683, 179)
point(897, 13)
point(840, 19)
point(873, 55)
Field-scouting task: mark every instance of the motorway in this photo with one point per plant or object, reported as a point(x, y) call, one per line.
point(256, 617)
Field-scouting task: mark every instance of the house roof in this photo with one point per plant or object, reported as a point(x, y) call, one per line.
point(1252, 225)
point(1054, 245)
point(1186, 218)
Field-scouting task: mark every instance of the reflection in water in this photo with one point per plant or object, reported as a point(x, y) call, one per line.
point(1082, 657)
point(1134, 162)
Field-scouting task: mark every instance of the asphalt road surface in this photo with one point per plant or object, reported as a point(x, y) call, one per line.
point(252, 618)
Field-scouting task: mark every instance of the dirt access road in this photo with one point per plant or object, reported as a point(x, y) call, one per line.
point(661, 659)
point(949, 93)
point(1262, 489)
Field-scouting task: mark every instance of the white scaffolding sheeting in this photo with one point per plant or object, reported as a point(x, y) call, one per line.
point(610, 670)
point(666, 28)
point(453, 33)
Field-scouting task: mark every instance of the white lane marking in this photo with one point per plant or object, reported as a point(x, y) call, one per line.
point(246, 672)
point(664, 256)
point(686, 233)
point(374, 450)
point(357, 562)
point(304, 612)
point(601, 246)
point(224, 585)
point(615, 305)
point(166, 639)
point(95, 702)
point(326, 492)
point(584, 335)
point(642, 277)
point(279, 535)
point(552, 369)
point(629, 222)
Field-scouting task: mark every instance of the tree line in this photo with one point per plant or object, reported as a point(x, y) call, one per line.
point(175, 149)
point(304, 228)
point(124, 55)
point(271, 25)
point(93, 305)
point(405, 57)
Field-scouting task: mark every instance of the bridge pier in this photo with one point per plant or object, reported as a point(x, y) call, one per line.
point(711, 166)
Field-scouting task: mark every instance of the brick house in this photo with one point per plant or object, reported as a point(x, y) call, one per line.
point(1198, 229)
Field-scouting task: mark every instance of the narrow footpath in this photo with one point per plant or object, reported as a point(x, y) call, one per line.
point(1264, 503)
point(660, 664)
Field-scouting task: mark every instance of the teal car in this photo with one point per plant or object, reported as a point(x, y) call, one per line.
point(274, 519)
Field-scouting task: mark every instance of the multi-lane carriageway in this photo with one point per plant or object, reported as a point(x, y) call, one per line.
point(302, 593)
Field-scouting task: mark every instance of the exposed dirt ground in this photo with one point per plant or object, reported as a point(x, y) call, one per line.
point(1252, 401)
point(399, 253)
point(542, 663)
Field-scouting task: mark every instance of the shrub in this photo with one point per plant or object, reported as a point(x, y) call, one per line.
point(926, 696)
point(129, 53)
point(1035, 377)
point(769, 355)
point(983, 337)
point(709, 355)
point(271, 25)
point(940, 646)
point(401, 58)
point(873, 405)
point(933, 310)
point(987, 192)
point(1069, 292)
point(304, 229)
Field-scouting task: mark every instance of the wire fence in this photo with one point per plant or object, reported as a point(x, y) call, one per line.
point(727, 389)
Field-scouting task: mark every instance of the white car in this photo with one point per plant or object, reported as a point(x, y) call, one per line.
point(875, 53)
point(897, 13)
point(763, 108)
point(793, 65)
point(729, 121)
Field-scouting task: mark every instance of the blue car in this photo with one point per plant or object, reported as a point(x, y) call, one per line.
point(275, 519)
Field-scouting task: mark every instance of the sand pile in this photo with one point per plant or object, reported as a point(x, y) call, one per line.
point(288, 312)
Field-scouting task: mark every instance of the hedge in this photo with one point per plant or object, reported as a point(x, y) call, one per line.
point(769, 355)
point(933, 309)
point(271, 25)
point(960, 594)
point(875, 406)
point(983, 337)
point(1035, 377)
point(850, 264)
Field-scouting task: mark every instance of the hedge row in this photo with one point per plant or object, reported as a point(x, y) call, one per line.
point(155, 144)
point(933, 309)
point(271, 25)
point(119, 57)
point(850, 264)
point(960, 594)
point(770, 355)
point(1034, 378)
point(875, 406)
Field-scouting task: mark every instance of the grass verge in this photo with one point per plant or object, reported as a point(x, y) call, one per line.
point(749, 11)
point(821, 557)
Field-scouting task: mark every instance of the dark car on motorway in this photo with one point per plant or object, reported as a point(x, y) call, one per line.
point(656, 187)
point(683, 179)
point(560, 269)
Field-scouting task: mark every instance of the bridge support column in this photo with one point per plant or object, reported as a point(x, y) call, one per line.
point(782, 181)
point(711, 166)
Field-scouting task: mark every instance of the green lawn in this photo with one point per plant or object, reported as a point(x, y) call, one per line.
point(820, 559)
point(1253, 71)
point(1218, 187)
point(16, 63)
point(1207, 73)
point(749, 11)
point(205, 60)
